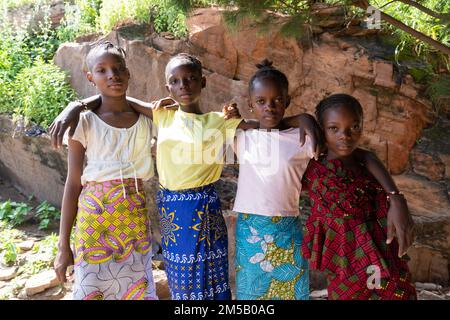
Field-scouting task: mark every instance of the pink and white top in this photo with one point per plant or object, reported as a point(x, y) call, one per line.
point(271, 166)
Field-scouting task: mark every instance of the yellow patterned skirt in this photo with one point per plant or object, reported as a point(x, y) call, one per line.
point(113, 256)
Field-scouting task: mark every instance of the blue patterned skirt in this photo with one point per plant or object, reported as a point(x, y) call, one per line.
point(194, 243)
point(268, 262)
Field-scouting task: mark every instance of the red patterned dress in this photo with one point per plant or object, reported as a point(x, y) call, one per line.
point(346, 234)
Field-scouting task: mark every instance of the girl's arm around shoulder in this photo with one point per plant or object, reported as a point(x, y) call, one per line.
point(69, 208)
point(147, 108)
point(68, 118)
point(307, 125)
point(247, 124)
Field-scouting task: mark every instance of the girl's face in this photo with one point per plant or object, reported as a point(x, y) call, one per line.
point(185, 84)
point(342, 128)
point(110, 75)
point(268, 101)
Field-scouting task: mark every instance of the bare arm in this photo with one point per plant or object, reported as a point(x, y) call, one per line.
point(71, 114)
point(69, 208)
point(400, 223)
point(147, 108)
point(68, 118)
point(309, 126)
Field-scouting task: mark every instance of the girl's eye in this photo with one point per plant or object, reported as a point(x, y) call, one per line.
point(101, 70)
point(260, 101)
point(356, 127)
point(174, 81)
point(193, 78)
point(332, 128)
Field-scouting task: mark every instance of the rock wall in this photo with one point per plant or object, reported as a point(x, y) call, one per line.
point(395, 114)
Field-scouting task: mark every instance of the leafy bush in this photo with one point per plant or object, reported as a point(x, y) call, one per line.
point(44, 255)
point(41, 92)
point(13, 57)
point(165, 16)
point(14, 212)
point(169, 18)
point(8, 239)
point(438, 29)
point(113, 12)
point(29, 86)
point(79, 19)
point(46, 213)
point(16, 3)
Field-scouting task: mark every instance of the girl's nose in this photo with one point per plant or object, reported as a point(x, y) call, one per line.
point(346, 134)
point(183, 83)
point(270, 105)
point(113, 74)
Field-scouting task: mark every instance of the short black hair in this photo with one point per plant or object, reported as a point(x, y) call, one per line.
point(336, 100)
point(267, 71)
point(184, 59)
point(102, 47)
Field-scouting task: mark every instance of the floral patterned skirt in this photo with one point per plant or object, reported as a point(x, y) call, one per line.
point(194, 243)
point(269, 265)
point(113, 256)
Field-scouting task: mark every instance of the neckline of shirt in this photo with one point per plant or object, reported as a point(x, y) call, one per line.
point(190, 115)
point(116, 128)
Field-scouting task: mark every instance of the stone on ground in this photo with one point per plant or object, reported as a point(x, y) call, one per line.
point(40, 282)
point(26, 245)
point(7, 273)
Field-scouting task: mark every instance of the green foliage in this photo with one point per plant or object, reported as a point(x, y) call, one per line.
point(30, 85)
point(162, 13)
point(42, 42)
point(46, 213)
point(113, 12)
point(439, 91)
point(170, 18)
point(11, 4)
point(44, 255)
point(79, 19)
point(41, 92)
point(8, 247)
point(438, 29)
point(13, 57)
point(14, 212)
point(89, 10)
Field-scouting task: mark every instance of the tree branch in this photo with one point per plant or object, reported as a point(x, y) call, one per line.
point(437, 15)
point(364, 4)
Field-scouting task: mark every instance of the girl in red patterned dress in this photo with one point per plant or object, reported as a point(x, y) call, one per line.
point(346, 234)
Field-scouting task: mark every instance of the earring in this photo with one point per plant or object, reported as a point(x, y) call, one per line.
point(251, 109)
point(93, 84)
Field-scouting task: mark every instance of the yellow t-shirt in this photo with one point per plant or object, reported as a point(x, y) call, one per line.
point(191, 147)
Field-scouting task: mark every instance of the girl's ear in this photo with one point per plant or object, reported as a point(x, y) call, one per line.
point(288, 101)
point(203, 82)
point(250, 106)
point(90, 77)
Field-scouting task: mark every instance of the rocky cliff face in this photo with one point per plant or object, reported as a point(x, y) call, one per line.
point(395, 112)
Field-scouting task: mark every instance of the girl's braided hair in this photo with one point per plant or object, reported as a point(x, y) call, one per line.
point(267, 71)
point(102, 47)
point(335, 100)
